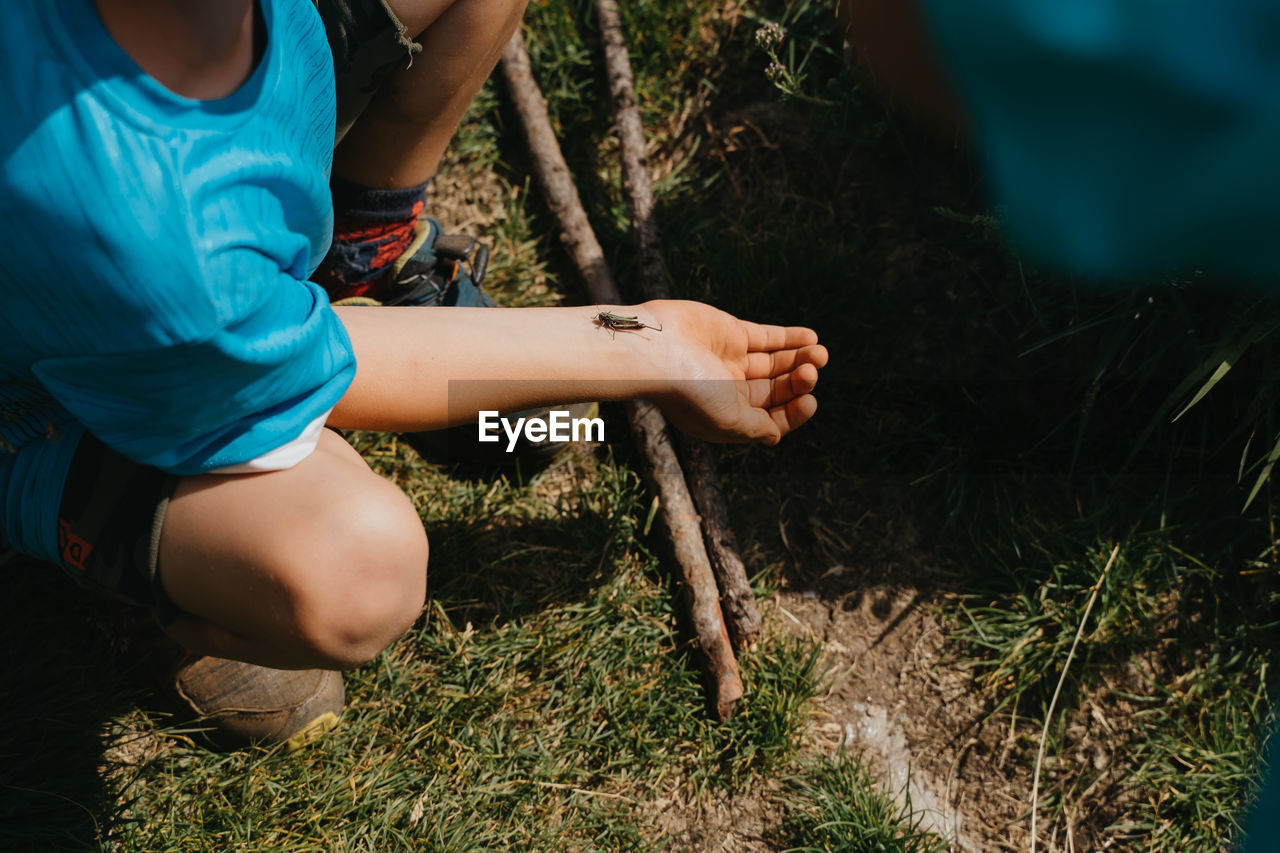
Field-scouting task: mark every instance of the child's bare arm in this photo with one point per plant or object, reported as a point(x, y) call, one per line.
point(714, 375)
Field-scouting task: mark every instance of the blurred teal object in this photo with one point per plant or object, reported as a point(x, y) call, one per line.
point(1123, 138)
point(1263, 831)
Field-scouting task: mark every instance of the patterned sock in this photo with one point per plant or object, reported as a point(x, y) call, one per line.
point(371, 229)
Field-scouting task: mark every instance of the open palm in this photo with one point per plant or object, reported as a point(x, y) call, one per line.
point(736, 381)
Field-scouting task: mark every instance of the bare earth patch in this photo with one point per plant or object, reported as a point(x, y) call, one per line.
point(893, 700)
point(889, 699)
point(719, 822)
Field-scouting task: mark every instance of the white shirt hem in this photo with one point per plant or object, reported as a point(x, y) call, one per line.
point(285, 456)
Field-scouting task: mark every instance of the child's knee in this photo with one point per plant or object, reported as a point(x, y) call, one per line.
point(360, 580)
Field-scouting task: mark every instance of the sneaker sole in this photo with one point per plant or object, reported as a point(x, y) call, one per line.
point(312, 731)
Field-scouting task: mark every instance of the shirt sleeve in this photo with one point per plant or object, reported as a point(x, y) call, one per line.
point(1124, 137)
point(271, 359)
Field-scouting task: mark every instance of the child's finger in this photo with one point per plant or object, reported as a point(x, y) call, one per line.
point(765, 338)
point(765, 364)
point(794, 413)
point(767, 393)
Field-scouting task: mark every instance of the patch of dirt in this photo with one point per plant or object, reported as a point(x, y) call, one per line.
point(894, 700)
point(863, 586)
point(474, 201)
point(468, 200)
point(721, 823)
point(133, 748)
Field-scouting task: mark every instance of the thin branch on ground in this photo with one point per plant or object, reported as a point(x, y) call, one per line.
point(741, 612)
point(647, 423)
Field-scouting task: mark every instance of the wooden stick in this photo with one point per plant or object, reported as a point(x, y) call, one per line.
point(647, 424)
point(702, 598)
point(741, 612)
point(635, 164)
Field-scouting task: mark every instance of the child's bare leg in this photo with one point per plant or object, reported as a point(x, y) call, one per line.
point(321, 565)
point(402, 134)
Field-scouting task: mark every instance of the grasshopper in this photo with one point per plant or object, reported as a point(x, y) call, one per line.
point(622, 323)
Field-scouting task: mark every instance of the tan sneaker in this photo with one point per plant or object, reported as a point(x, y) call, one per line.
point(254, 704)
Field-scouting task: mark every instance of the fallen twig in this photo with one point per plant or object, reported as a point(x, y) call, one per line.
point(742, 614)
point(647, 423)
point(635, 165)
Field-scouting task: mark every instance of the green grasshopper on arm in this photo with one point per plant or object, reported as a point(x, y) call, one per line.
point(621, 322)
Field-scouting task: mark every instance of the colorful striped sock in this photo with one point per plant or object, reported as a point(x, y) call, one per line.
point(372, 227)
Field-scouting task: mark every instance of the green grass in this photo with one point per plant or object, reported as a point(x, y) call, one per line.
point(837, 806)
point(543, 701)
point(541, 734)
point(1174, 658)
point(998, 430)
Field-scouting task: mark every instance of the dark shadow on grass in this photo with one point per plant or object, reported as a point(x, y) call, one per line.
point(984, 428)
point(486, 570)
point(62, 687)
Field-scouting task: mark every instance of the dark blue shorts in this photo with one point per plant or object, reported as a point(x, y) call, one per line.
point(368, 43)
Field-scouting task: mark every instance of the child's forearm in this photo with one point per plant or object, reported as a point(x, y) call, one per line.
point(428, 368)
point(714, 375)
